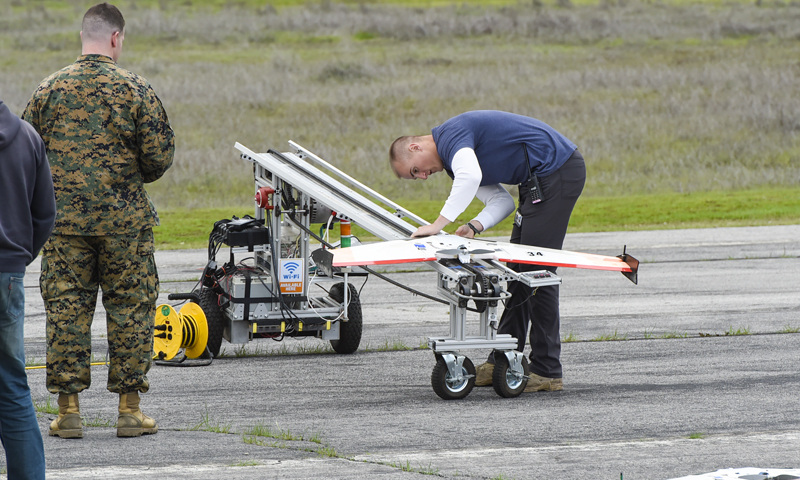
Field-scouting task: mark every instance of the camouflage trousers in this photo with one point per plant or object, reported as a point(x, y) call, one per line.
point(73, 269)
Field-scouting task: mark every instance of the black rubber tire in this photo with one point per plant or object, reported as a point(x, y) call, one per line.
point(209, 302)
point(504, 384)
point(445, 387)
point(349, 331)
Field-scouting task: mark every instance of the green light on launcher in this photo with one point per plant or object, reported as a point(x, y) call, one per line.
point(345, 235)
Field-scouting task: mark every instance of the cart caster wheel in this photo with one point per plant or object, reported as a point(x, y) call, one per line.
point(509, 382)
point(450, 387)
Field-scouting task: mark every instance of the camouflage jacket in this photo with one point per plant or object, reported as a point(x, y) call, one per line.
point(107, 134)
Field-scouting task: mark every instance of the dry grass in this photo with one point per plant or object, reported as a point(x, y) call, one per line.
point(660, 98)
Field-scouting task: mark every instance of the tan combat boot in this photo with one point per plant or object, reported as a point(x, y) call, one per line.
point(132, 422)
point(68, 424)
point(483, 374)
point(537, 383)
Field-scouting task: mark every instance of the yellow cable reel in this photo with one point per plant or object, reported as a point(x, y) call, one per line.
point(187, 329)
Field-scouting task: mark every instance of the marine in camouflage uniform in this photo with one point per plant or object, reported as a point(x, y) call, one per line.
point(107, 134)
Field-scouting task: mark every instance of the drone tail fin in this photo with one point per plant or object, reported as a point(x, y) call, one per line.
point(633, 263)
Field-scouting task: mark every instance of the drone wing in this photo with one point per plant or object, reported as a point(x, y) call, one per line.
point(385, 253)
point(439, 246)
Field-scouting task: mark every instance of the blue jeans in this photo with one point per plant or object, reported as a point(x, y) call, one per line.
point(19, 429)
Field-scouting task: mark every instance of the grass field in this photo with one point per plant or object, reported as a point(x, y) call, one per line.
point(688, 113)
point(771, 206)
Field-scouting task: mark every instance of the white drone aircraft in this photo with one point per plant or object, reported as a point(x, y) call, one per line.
point(433, 248)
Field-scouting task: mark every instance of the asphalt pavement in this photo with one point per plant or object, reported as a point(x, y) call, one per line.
point(695, 369)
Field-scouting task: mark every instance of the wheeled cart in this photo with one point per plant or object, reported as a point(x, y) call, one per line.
point(480, 282)
point(264, 290)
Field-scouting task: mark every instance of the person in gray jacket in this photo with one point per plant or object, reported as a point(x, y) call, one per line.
point(26, 220)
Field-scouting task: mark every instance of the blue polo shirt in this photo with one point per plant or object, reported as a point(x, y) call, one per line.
point(498, 139)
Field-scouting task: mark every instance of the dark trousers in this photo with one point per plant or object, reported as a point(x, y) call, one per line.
point(542, 224)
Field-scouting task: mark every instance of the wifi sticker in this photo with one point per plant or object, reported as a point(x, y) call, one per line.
point(291, 275)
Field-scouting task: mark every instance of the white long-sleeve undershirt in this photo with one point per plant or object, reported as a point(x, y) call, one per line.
point(467, 177)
